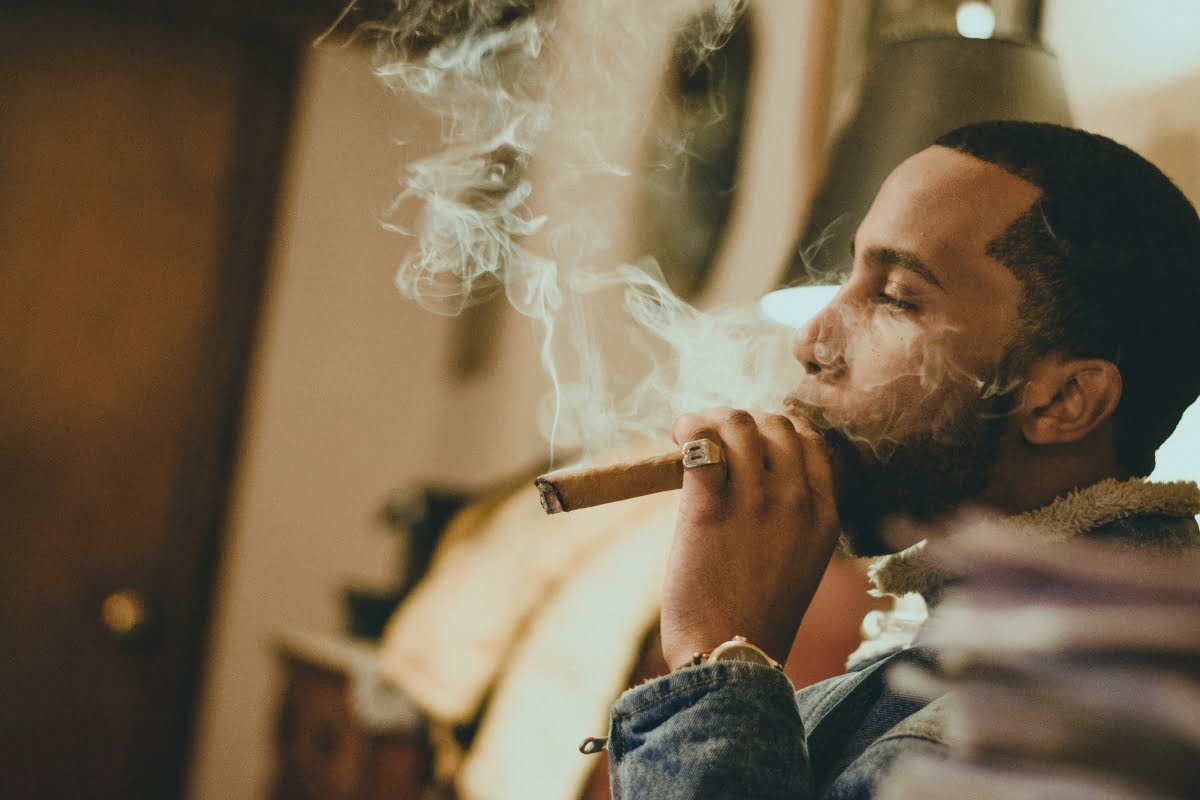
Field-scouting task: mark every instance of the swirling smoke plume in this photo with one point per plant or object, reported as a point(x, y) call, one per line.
point(624, 355)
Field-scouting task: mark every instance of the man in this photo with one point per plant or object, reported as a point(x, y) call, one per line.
point(1018, 334)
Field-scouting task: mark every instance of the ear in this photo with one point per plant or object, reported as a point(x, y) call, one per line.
point(1066, 400)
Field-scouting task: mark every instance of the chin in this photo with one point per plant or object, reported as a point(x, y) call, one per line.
point(887, 506)
point(895, 484)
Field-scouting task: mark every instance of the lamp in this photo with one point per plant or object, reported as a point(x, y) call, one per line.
point(914, 90)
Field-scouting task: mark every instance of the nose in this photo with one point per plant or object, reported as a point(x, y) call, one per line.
point(815, 344)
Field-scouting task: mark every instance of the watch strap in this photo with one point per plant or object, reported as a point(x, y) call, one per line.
point(705, 656)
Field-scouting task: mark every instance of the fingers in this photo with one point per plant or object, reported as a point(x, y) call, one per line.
point(736, 432)
point(819, 464)
point(782, 445)
point(819, 469)
point(752, 537)
point(762, 451)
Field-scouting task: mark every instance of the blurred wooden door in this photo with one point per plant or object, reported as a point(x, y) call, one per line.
point(139, 166)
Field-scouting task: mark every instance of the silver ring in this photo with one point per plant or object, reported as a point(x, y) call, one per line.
point(700, 453)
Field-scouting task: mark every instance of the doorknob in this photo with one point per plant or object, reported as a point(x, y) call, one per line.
point(125, 613)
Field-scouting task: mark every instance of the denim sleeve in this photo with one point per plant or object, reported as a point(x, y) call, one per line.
point(712, 731)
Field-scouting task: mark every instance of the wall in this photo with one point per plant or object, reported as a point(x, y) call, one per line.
point(350, 401)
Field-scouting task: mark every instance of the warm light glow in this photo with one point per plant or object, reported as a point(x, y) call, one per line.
point(1111, 52)
point(975, 19)
point(796, 305)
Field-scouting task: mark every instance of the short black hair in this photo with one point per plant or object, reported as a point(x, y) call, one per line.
point(1109, 261)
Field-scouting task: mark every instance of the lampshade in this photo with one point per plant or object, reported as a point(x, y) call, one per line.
point(915, 90)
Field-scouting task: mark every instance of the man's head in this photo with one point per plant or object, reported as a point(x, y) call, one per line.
point(1022, 308)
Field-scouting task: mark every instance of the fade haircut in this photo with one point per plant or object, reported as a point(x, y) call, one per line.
point(1109, 262)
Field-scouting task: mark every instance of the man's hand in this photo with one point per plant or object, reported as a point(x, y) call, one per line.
point(753, 537)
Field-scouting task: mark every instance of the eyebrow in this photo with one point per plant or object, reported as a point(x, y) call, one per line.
point(893, 256)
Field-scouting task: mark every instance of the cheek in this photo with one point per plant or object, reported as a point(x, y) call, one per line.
point(899, 375)
point(896, 371)
point(889, 350)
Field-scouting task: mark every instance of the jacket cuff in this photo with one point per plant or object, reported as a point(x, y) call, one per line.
point(692, 682)
point(706, 730)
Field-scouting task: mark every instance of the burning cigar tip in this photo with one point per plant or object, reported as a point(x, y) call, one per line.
point(584, 487)
point(551, 501)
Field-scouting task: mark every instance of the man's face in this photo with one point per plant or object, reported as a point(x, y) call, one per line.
point(903, 362)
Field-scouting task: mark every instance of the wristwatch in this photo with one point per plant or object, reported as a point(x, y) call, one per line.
point(737, 649)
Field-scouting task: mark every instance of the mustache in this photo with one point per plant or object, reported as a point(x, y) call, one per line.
point(881, 423)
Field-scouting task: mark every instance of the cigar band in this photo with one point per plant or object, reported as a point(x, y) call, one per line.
point(701, 452)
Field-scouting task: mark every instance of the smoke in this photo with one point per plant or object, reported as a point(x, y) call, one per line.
point(476, 65)
point(675, 359)
point(518, 94)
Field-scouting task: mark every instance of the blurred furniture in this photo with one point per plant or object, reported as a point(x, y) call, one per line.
point(327, 751)
point(344, 734)
point(416, 516)
point(340, 733)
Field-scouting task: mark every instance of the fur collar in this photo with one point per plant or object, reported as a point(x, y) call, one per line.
point(1069, 516)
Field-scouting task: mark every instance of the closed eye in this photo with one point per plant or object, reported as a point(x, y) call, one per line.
point(892, 296)
point(895, 302)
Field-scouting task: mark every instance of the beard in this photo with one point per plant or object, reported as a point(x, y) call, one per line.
point(920, 475)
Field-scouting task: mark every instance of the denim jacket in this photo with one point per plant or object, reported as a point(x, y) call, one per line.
point(739, 730)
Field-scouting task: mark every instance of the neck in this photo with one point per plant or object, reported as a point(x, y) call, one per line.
point(1030, 477)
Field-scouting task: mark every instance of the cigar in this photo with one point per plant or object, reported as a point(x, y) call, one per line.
point(583, 487)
